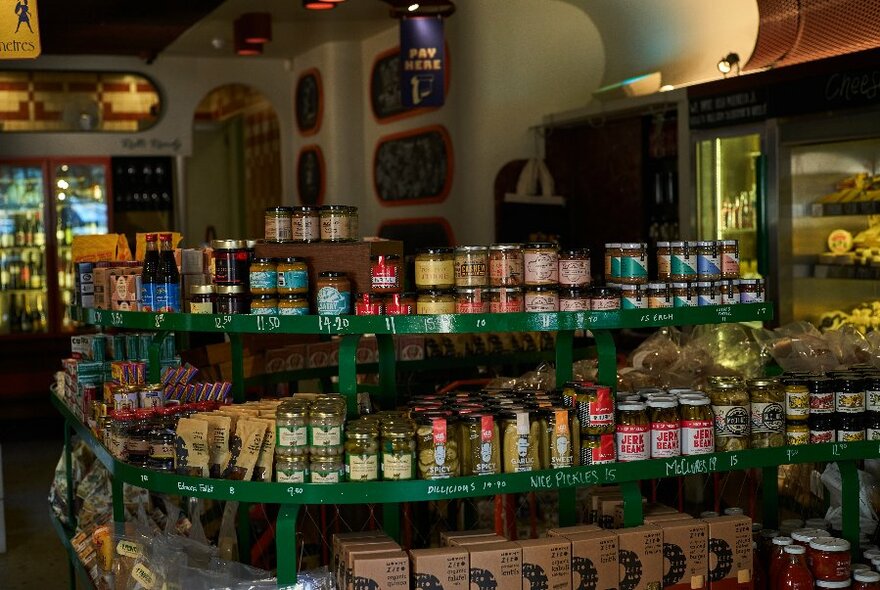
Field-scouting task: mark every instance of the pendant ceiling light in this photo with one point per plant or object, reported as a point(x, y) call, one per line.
point(319, 4)
point(256, 27)
point(242, 45)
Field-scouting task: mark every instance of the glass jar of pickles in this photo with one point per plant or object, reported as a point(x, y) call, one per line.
point(633, 432)
point(471, 266)
point(292, 427)
point(697, 426)
point(398, 449)
point(767, 399)
point(291, 468)
point(326, 420)
point(521, 442)
point(362, 451)
point(558, 443)
point(437, 445)
point(732, 411)
point(481, 445)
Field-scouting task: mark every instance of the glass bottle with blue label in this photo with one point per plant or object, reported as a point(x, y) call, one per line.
point(167, 293)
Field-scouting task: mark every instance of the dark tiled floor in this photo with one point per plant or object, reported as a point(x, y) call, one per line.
point(34, 556)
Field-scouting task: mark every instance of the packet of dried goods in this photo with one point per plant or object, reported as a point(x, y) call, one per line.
point(244, 446)
point(266, 458)
point(219, 427)
point(191, 447)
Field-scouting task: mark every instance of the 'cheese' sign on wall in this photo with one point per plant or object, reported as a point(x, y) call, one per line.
point(19, 29)
point(422, 61)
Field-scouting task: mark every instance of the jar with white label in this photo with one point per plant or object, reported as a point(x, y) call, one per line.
point(768, 414)
point(325, 425)
point(541, 299)
point(684, 295)
point(398, 449)
point(732, 413)
point(290, 468)
point(872, 426)
point(540, 264)
point(728, 291)
point(633, 432)
point(665, 428)
point(362, 451)
point(326, 469)
point(574, 300)
point(612, 261)
point(849, 395)
point(632, 297)
point(697, 428)
point(659, 295)
point(292, 427)
point(683, 261)
point(729, 259)
point(604, 299)
point(574, 268)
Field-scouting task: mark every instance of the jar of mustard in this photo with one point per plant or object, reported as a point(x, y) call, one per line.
point(505, 265)
point(293, 305)
point(434, 301)
point(264, 305)
point(335, 223)
point(277, 224)
point(471, 266)
point(305, 224)
point(333, 294)
point(293, 276)
point(264, 276)
point(483, 439)
point(435, 268)
point(574, 268)
point(540, 264)
point(398, 449)
point(362, 452)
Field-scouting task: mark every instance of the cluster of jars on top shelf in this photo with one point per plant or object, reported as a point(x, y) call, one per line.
point(688, 274)
point(306, 224)
point(505, 278)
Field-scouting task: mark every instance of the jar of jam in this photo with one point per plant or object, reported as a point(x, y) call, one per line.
point(632, 297)
point(612, 261)
point(658, 295)
point(231, 299)
point(336, 223)
point(541, 299)
point(471, 265)
point(137, 446)
point(293, 305)
point(162, 438)
point(872, 394)
point(777, 558)
point(707, 294)
point(264, 276)
point(604, 299)
point(305, 224)
point(821, 392)
point(470, 300)
point(540, 264)
point(290, 468)
point(435, 268)
point(574, 300)
point(767, 400)
point(264, 305)
point(665, 428)
point(574, 268)
point(797, 433)
point(293, 276)
point(751, 290)
point(664, 261)
point(633, 432)
point(708, 261)
point(697, 426)
point(866, 580)
point(830, 559)
point(400, 304)
point(435, 301)
point(231, 263)
point(333, 294)
point(505, 299)
point(729, 259)
point(850, 428)
point(821, 428)
point(505, 265)
point(684, 295)
point(367, 304)
point(362, 451)
point(683, 261)
point(277, 224)
point(385, 273)
point(728, 291)
point(633, 263)
point(201, 299)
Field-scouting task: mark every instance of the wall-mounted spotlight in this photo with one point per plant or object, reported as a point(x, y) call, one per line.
point(728, 63)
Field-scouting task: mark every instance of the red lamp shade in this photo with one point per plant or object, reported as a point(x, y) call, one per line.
point(319, 4)
point(257, 26)
point(242, 46)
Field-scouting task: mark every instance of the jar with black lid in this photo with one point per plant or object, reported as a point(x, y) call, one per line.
point(850, 428)
point(849, 395)
point(872, 393)
point(821, 395)
point(822, 428)
point(872, 426)
point(232, 299)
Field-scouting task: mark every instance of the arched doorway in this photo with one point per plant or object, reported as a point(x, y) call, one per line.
point(234, 172)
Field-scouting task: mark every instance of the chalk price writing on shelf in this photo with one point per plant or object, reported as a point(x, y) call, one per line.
point(221, 321)
point(98, 316)
point(724, 313)
point(116, 318)
point(331, 324)
point(159, 320)
point(762, 311)
point(389, 325)
point(267, 323)
point(295, 491)
point(231, 490)
point(791, 454)
point(145, 478)
point(836, 448)
point(490, 485)
point(481, 323)
point(657, 317)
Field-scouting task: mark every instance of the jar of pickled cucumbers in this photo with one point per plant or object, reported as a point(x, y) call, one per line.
point(398, 449)
point(437, 446)
point(732, 413)
point(481, 440)
point(362, 451)
point(767, 398)
point(522, 441)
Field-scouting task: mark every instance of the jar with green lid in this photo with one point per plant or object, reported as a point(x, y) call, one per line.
point(558, 443)
point(327, 469)
point(293, 305)
point(362, 451)
point(292, 427)
point(521, 438)
point(293, 276)
point(481, 448)
point(326, 421)
point(201, 299)
point(732, 412)
point(437, 445)
point(264, 305)
point(398, 449)
point(291, 468)
point(767, 399)
point(264, 276)
point(797, 433)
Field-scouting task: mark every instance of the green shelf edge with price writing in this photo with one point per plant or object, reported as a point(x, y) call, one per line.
point(426, 324)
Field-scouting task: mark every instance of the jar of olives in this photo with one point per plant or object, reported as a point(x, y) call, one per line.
point(292, 427)
point(398, 449)
point(768, 415)
point(437, 445)
point(290, 468)
point(362, 451)
point(481, 448)
point(732, 412)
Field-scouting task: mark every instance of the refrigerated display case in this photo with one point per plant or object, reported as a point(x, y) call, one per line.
point(730, 192)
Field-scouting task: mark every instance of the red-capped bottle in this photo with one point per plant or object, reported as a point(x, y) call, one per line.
point(795, 574)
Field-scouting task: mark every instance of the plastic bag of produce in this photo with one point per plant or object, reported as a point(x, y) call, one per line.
point(867, 516)
point(799, 346)
point(227, 542)
point(656, 354)
point(849, 346)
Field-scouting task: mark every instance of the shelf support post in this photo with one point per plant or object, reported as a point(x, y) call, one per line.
point(154, 353)
point(116, 484)
point(387, 371)
point(238, 391)
point(607, 357)
point(849, 501)
point(391, 520)
point(632, 503)
point(68, 473)
point(770, 496)
point(244, 532)
point(285, 543)
point(348, 371)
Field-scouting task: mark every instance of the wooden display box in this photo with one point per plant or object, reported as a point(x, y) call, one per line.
point(352, 258)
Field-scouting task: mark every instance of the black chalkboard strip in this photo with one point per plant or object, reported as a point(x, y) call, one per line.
point(309, 102)
point(311, 175)
point(413, 167)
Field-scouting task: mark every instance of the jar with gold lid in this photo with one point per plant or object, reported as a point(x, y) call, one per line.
point(362, 451)
point(471, 266)
point(732, 410)
point(293, 276)
point(264, 276)
point(505, 265)
point(201, 299)
point(305, 223)
point(277, 224)
point(574, 268)
point(291, 468)
point(264, 305)
point(521, 437)
point(540, 264)
point(292, 427)
point(767, 398)
point(335, 223)
point(435, 301)
point(398, 449)
point(326, 469)
point(293, 305)
point(435, 268)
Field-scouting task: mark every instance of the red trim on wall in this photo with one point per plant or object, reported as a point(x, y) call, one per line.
point(317, 149)
point(319, 119)
point(22, 114)
point(441, 221)
point(447, 78)
point(450, 166)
